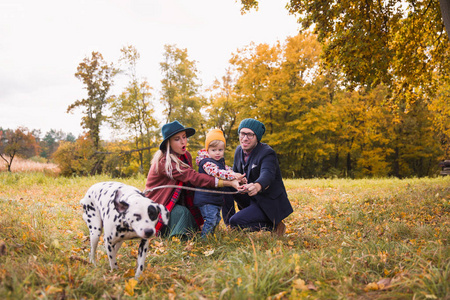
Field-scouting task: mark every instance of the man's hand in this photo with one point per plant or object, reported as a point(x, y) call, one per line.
point(252, 189)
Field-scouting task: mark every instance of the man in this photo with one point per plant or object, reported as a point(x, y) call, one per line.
point(264, 204)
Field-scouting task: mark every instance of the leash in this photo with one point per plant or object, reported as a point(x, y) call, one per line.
point(188, 188)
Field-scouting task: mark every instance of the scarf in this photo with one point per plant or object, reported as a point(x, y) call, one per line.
point(188, 200)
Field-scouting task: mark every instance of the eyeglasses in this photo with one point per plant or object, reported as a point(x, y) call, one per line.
point(249, 135)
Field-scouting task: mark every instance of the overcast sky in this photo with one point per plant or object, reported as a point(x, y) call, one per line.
point(42, 42)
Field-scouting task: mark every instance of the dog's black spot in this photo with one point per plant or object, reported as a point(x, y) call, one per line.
point(90, 226)
point(109, 248)
point(142, 267)
point(138, 217)
point(153, 212)
point(89, 220)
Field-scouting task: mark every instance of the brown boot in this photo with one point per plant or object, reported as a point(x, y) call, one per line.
point(280, 229)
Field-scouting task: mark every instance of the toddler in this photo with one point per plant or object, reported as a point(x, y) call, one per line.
point(211, 161)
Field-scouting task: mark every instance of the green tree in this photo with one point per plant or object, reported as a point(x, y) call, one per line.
point(50, 143)
point(180, 89)
point(19, 142)
point(97, 76)
point(132, 111)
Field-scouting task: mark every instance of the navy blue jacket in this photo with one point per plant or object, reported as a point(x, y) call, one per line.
point(262, 167)
point(202, 198)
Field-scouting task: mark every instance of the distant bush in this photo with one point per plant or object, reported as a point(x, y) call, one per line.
point(76, 158)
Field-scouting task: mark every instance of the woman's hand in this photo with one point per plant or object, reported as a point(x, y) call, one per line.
point(233, 184)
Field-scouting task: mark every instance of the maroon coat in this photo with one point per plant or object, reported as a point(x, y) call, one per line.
point(189, 175)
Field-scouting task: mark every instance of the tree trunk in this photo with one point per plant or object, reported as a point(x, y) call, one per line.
point(396, 168)
point(445, 12)
point(349, 164)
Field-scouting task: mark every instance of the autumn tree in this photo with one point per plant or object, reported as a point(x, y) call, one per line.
point(97, 76)
point(440, 107)
point(132, 111)
point(222, 108)
point(76, 158)
point(180, 88)
point(397, 43)
point(19, 142)
point(274, 84)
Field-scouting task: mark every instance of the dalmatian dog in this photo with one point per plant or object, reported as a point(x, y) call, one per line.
point(123, 213)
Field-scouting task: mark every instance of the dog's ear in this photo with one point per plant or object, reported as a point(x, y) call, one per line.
point(120, 206)
point(153, 212)
point(164, 214)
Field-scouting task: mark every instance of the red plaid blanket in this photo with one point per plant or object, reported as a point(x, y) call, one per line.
point(188, 199)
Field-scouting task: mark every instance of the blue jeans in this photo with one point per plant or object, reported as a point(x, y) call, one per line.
point(211, 216)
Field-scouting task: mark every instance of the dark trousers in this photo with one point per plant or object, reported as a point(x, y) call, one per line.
point(250, 215)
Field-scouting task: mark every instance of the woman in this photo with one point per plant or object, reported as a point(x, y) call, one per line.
point(172, 165)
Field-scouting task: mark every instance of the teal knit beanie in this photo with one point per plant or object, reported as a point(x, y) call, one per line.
point(256, 126)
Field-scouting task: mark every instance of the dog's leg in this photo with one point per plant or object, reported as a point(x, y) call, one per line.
point(95, 225)
point(142, 254)
point(111, 251)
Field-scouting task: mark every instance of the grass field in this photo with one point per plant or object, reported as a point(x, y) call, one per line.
point(347, 239)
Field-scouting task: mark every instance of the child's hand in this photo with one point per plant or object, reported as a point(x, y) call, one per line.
point(241, 178)
point(233, 184)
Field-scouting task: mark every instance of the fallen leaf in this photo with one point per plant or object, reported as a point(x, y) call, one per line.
point(130, 286)
point(52, 290)
point(299, 284)
point(189, 247)
point(373, 286)
point(129, 273)
point(239, 281)
point(311, 287)
point(384, 283)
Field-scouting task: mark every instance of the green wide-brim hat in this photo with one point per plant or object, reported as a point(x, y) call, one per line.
point(170, 129)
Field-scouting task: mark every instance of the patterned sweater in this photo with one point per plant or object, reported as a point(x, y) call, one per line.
point(212, 169)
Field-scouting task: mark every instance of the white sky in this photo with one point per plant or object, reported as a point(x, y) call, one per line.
point(43, 41)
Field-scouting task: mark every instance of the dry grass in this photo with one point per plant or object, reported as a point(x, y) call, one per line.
point(347, 239)
point(27, 165)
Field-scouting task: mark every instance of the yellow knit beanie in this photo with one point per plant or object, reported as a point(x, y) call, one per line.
point(215, 134)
